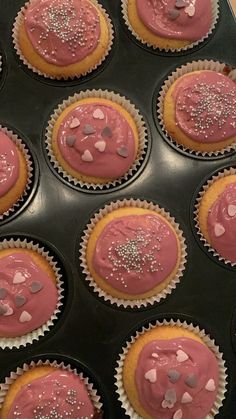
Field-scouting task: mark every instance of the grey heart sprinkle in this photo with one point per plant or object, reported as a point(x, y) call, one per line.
point(3, 293)
point(122, 151)
point(170, 396)
point(36, 286)
point(173, 14)
point(191, 380)
point(20, 300)
point(3, 310)
point(174, 376)
point(180, 4)
point(106, 132)
point(88, 129)
point(70, 140)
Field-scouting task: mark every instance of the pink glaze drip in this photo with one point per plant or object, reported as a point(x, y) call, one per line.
point(9, 164)
point(201, 362)
point(60, 394)
point(157, 16)
point(206, 106)
point(39, 305)
point(62, 32)
point(135, 253)
point(108, 164)
point(223, 214)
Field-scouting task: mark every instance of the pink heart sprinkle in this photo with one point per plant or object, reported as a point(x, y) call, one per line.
point(87, 156)
point(9, 311)
point(154, 355)
point(186, 398)
point(178, 414)
point(98, 114)
point(190, 10)
point(232, 210)
point(75, 123)
point(181, 356)
point(210, 385)
point(18, 278)
point(25, 317)
point(151, 375)
point(100, 146)
point(219, 230)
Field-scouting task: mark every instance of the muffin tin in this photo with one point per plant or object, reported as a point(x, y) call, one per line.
point(89, 333)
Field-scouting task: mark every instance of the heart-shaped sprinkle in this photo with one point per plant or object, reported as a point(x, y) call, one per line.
point(100, 146)
point(70, 140)
point(122, 151)
point(98, 114)
point(210, 385)
point(219, 230)
point(87, 156)
point(181, 356)
point(154, 355)
point(232, 210)
point(36, 286)
point(173, 14)
point(3, 293)
point(18, 278)
point(3, 309)
point(170, 396)
point(88, 129)
point(180, 3)
point(20, 300)
point(178, 414)
point(75, 123)
point(25, 317)
point(186, 398)
point(191, 380)
point(106, 132)
point(151, 376)
point(9, 311)
point(174, 376)
point(190, 10)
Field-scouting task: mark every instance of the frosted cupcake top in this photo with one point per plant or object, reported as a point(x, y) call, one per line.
point(9, 164)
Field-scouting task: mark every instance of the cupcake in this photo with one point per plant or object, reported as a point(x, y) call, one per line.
point(62, 39)
point(199, 110)
point(14, 170)
point(133, 253)
point(170, 25)
point(30, 292)
point(96, 138)
point(216, 215)
point(171, 371)
point(49, 391)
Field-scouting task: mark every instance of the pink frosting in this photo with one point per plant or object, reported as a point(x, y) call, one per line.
point(164, 18)
point(102, 142)
point(164, 375)
point(9, 164)
point(62, 32)
point(221, 223)
point(206, 106)
point(28, 296)
point(59, 394)
point(135, 253)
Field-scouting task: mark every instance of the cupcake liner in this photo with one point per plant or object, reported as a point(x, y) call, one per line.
point(101, 94)
point(16, 342)
point(19, 20)
point(4, 387)
point(215, 17)
point(137, 303)
point(26, 153)
point(219, 175)
point(180, 71)
point(122, 397)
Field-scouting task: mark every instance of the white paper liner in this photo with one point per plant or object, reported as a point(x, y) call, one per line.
point(4, 387)
point(215, 17)
point(116, 98)
point(24, 150)
point(16, 342)
point(137, 303)
point(19, 20)
point(219, 175)
point(122, 396)
point(180, 71)
point(0, 63)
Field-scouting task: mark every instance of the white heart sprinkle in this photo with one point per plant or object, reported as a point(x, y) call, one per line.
point(186, 398)
point(18, 278)
point(9, 311)
point(210, 385)
point(25, 317)
point(98, 114)
point(75, 123)
point(151, 375)
point(190, 10)
point(232, 210)
point(219, 230)
point(166, 404)
point(87, 156)
point(154, 355)
point(181, 356)
point(178, 414)
point(100, 146)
